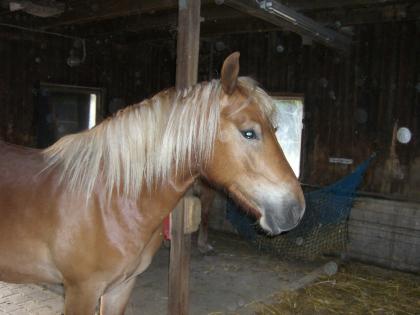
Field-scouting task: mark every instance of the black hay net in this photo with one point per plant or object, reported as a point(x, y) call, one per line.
point(323, 228)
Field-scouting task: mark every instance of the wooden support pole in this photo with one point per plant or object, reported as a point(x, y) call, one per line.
point(186, 75)
point(188, 43)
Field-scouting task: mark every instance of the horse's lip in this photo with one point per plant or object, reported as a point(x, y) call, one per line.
point(244, 201)
point(276, 231)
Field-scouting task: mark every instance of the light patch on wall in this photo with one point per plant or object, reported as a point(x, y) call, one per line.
point(92, 111)
point(337, 160)
point(404, 135)
point(289, 132)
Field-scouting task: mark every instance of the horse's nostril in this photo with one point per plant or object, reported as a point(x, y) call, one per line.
point(302, 212)
point(293, 212)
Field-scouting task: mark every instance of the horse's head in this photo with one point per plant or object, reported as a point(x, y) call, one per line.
point(248, 161)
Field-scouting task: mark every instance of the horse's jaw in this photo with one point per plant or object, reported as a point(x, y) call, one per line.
point(276, 208)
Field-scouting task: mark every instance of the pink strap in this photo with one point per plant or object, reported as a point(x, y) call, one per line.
point(167, 227)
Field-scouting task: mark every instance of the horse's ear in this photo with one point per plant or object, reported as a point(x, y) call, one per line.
point(230, 71)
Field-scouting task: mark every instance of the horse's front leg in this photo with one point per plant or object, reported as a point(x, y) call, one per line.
point(81, 299)
point(115, 301)
point(207, 197)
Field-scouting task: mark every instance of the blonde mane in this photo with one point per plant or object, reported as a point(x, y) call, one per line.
point(145, 143)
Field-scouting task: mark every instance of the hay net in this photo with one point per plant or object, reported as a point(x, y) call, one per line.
point(323, 228)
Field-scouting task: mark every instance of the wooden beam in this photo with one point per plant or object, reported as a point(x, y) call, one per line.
point(188, 43)
point(109, 9)
point(169, 18)
point(238, 26)
point(357, 16)
point(85, 12)
point(282, 16)
point(305, 5)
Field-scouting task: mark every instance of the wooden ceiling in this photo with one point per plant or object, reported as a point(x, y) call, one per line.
point(150, 19)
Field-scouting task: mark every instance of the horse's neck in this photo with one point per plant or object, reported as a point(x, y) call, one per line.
point(156, 204)
point(179, 185)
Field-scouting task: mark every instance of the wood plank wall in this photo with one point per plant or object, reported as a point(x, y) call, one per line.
point(385, 232)
point(127, 72)
point(379, 76)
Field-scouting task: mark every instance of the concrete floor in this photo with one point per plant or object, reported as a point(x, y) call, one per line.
point(229, 282)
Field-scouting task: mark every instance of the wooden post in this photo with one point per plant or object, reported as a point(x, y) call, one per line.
point(186, 75)
point(188, 43)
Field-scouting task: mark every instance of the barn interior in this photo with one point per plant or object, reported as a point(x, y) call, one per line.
point(353, 66)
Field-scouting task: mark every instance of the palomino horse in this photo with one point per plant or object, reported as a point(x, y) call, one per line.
point(87, 211)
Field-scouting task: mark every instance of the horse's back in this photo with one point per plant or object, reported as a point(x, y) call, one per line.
point(20, 174)
point(18, 160)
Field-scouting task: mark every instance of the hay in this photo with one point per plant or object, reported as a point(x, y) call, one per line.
point(308, 243)
point(355, 289)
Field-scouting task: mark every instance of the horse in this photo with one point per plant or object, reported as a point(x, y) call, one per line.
point(87, 211)
point(206, 195)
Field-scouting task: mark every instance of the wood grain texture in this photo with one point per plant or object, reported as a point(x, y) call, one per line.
point(188, 44)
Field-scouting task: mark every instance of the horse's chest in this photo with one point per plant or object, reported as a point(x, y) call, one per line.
point(139, 263)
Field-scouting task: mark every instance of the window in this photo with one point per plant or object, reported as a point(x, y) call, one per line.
point(63, 109)
point(290, 125)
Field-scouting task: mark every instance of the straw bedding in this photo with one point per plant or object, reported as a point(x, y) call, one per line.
point(355, 289)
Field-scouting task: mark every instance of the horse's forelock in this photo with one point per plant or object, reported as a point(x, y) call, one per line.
point(258, 96)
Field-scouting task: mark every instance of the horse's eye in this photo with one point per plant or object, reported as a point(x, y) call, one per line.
point(249, 134)
point(275, 129)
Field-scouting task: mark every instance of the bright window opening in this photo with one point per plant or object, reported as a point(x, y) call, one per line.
point(289, 132)
point(92, 111)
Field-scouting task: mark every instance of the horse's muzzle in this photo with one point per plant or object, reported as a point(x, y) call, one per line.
point(278, 220)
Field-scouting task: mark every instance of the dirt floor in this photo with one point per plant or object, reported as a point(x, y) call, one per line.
point(239, 280)
point(225, 283)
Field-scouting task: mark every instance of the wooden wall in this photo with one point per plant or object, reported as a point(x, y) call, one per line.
point(375, 81)
point(127, 72)
point(385, 233)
